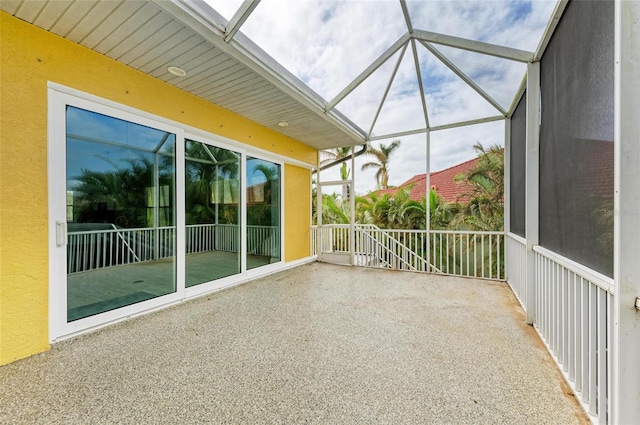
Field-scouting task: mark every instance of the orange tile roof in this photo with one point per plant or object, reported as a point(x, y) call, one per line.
point(442, 181)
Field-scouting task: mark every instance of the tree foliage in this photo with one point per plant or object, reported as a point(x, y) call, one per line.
point(480, 209)
point(381, 162)
point(337, 154)
point(483, 209)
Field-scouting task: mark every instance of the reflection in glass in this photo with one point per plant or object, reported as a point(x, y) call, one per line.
point(263, 212)
point(212, 196)
point(120, 213)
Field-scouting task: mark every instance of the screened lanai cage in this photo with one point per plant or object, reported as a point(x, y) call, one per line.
point(556, 97)
point(553, 83)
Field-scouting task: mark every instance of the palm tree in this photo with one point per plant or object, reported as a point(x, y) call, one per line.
point(266, 213)
point(381, 163)
point(206, 167)
point(335, 155)
point(117, 196)
point(334, 210)
point(484, 210)
point(414, 212)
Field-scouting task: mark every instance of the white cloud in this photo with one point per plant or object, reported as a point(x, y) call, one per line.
point(328, 43)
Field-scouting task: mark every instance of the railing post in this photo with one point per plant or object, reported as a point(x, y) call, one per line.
point(427, 179)
point(532, 184)
point(507, 194)
point(625, 385)
point(352, 207)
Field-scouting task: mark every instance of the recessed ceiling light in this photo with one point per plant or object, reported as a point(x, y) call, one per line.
point(178, 72)
point(283, 124)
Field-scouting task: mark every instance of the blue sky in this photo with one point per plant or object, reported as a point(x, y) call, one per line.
point(327, 43)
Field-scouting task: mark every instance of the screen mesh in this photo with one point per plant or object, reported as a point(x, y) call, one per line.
point(517, 171)
point(576, 136)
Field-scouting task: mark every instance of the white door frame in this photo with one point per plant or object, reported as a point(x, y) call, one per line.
point(58, 98)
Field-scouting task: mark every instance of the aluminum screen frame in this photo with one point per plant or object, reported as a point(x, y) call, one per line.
point(517, 158)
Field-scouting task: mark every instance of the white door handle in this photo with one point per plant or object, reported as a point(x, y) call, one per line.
point(61, 233)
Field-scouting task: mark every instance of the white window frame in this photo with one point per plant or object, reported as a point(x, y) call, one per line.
point(59, 97)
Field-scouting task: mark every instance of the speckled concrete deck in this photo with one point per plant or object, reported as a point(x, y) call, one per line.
point(318, 344)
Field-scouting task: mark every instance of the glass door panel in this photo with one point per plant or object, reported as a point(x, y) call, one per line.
point(263, 213)
point(212, 200)
point(120, 198)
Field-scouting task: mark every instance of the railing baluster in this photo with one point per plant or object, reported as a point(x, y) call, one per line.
point(490, 257)
point(602, 356)
point(580, 331)
point(482, 250)
point(468, 262)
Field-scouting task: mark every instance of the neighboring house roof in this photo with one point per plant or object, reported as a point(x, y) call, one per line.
point(442, 181)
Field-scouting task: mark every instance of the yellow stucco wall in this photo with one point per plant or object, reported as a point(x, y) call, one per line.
point(29, 57)
point(298, 208)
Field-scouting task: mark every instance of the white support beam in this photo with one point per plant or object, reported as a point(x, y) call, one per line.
point(407, 17)
point(241, 15)
point(550, 29)
point(367, 72)
point(474, 46)
point(516, 99)
point(351, 189)
point(464, 77)
point(386, 92)
point(398, 134)
point(466, 123)
point(626, 333)
point(427, 178)
point(507, 177)
point(335, 182)
point(420, 85)
point(436, 128)
point(532, 172)
point(507, 192)
point(318, 207)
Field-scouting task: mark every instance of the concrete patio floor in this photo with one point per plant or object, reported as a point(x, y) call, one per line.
point(316, 344)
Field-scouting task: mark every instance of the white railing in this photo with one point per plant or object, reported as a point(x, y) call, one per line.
point(200, 238)
point(574, 317)
point(333, 238)
point(263, 240)
point(91, 250)
point(468, 253)
point(227, 237)
point(105, 248)
point(516, 266)
point(385, 248)
point(458, 253)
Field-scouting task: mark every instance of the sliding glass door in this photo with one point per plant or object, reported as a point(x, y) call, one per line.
point(212, 212)
point(120, 213)
point(142, 216)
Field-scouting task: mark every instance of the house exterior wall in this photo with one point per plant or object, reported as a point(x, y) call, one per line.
point(31, 57)
point(298, 212)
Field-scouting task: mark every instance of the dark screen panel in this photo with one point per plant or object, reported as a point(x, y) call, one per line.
point(576, 136)
point(517, 157)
